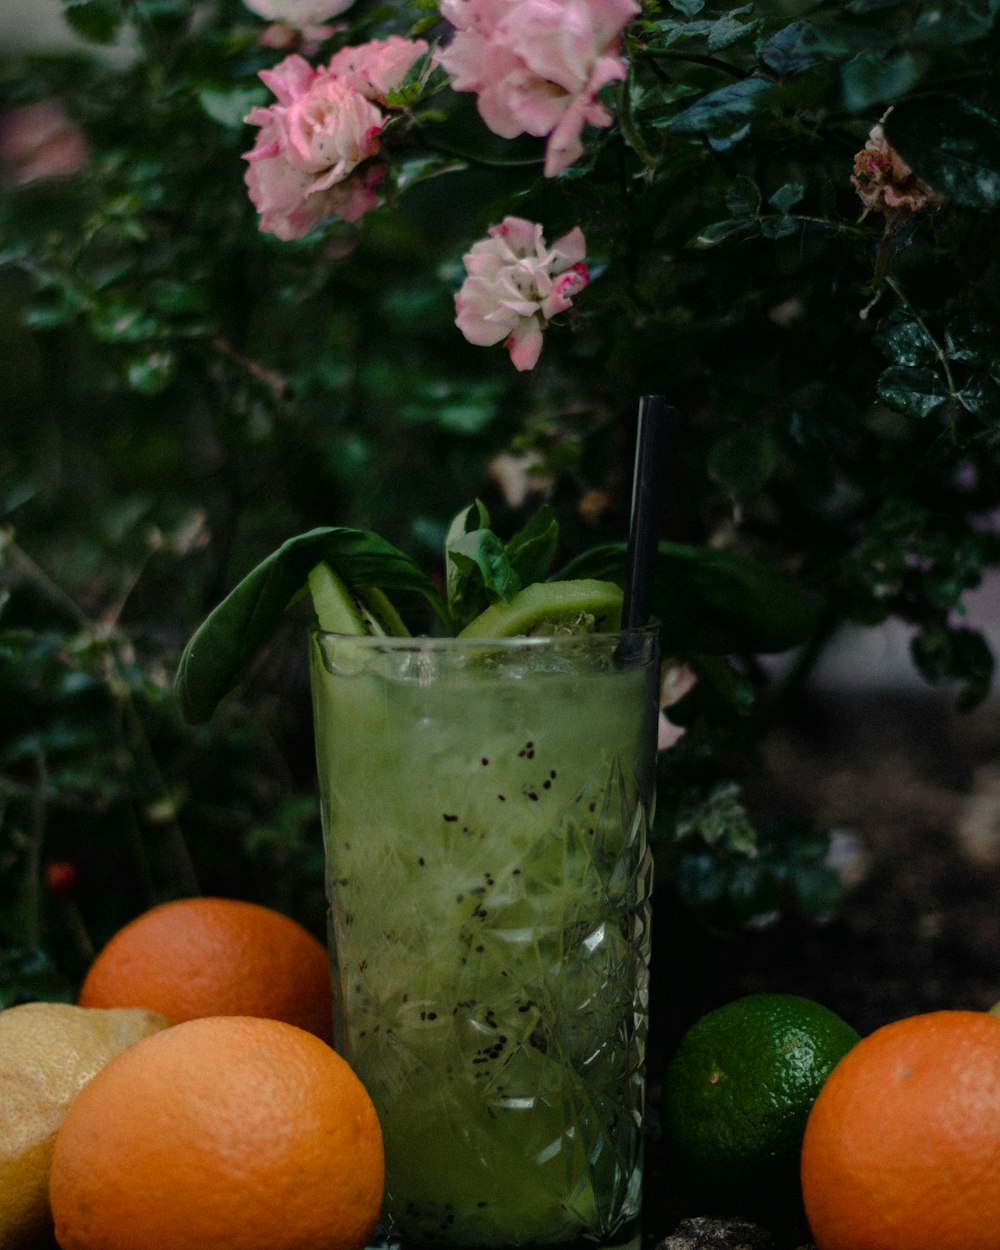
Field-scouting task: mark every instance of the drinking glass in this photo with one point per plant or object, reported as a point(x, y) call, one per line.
point(486, 806)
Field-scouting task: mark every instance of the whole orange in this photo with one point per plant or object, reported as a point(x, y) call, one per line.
point(902, 1146)
point(196, 957)
point(234, 1133)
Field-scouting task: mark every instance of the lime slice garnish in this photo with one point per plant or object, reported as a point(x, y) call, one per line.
point(341, 609)
point(578, 606)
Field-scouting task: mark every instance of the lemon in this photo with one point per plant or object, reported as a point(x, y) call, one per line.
point(738, 1091)
point(48, 1052)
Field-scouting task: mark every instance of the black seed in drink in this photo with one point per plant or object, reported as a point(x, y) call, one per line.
point(422, 862)
point(449, 817)
point(484, 761)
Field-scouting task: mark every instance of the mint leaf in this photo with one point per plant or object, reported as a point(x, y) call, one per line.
point(222, 647)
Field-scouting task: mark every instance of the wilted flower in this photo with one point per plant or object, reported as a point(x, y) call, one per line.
point(326, 123)
point(40, 141)
point(886, 183)
point(537, 65)
point(516, 284)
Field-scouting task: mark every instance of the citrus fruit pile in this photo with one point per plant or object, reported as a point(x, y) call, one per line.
point(243, 1128)
point(887, 1142)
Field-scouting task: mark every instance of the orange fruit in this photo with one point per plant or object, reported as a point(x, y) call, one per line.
point(902, 1146)
point(229, 1132)
point(198, 957)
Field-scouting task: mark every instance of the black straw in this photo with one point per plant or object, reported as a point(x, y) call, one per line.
point(655, 420)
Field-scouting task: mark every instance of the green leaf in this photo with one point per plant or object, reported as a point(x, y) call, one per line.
point(952, 145)
point(792, 50)
point(948, 653)
point(97, 21)
point(718, 231)
point(980, 395)
point(230, 636)
point(743, 462)
point(481, 557)
point(726, 31)
point(972, 342)
point(149, 374)
point(229, 108)
point(533, 548)
point(728, 106)
point(905, 342)
point(917, 392)
point(787, 196)
point(872, 78)
point(712, 601)
point(743, 197)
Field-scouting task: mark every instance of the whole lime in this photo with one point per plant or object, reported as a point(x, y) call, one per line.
point(738, 1091)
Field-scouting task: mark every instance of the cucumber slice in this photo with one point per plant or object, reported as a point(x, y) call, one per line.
point(343, 610)
point(578, 606)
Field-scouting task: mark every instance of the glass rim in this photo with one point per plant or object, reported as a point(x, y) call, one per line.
point(591, 639)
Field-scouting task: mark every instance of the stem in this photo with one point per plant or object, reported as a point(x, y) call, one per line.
point(694, 58)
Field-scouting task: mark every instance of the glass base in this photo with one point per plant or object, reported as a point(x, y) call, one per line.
point(629, 1237)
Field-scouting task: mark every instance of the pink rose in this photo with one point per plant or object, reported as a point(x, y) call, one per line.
point(39, 141)
point(536, 66)
point(515, 284)
point(376, 68)
point(886, 183)
point(326, 124)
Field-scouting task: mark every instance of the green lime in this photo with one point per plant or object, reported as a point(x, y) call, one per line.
point(343, 610)
point(738, 1091)
point(577, 606)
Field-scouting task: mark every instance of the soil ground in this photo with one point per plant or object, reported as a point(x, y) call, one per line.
point(912, 789)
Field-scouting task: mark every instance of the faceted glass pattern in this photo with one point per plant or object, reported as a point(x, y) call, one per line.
point(489, 878)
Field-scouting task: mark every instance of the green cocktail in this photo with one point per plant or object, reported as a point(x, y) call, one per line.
point(485, 810)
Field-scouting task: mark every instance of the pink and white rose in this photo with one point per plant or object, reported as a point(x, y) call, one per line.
point(516, 284)
point(313, 157)
point(537, 66)
point(376, 68)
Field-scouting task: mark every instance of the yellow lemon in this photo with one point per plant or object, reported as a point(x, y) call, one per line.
point(48, 1052)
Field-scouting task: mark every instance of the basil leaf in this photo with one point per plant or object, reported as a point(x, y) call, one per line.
point(533, 548)
point(712, 601)
point(222, 647)
point(482, 560)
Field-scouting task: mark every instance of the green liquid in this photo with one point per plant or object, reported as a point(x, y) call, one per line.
point(489, 879)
